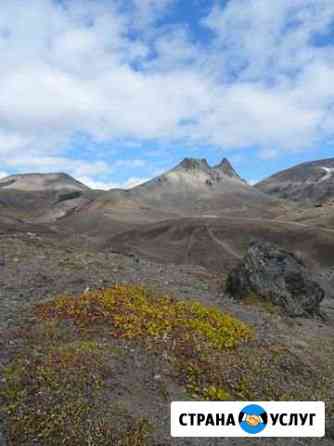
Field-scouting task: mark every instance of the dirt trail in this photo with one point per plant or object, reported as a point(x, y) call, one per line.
point(283, 222)
point(223, 244)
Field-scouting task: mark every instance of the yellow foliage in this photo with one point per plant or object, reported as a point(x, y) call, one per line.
point(133, 312)
point(53, 390)
point(213, 393)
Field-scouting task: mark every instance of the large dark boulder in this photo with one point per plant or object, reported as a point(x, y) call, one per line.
point(278, 276)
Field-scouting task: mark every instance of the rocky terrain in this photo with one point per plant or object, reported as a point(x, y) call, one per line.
point(42, 198)
point(36, 268)
point(308, 182)
point(278, 277)
point(108, 300)
point(311, 186)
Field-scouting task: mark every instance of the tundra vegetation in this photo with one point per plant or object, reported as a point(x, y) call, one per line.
point(62, 383)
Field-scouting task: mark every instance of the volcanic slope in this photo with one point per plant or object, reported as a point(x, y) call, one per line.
point(41, 198)
point(196, 214)
point(218, 243)
point(38, 182)
point(191, 189)
point(308, 182)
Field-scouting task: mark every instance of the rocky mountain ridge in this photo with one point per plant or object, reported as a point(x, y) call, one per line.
point(192, 188)
point(311, 182)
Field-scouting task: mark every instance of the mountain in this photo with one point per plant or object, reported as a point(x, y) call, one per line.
point(145, 271)
point(194, 176)
point(42, 198)
point(308, 182)
point(226, 168)
point(42, 182)
point(192, 189)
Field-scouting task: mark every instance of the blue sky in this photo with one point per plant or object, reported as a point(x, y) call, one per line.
point(116, 94)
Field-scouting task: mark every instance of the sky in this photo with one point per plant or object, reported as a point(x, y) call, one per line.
point(116, 92)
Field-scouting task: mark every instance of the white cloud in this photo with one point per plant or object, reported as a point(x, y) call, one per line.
point(107, 185)
point(264, 39)
point(3, 174)
point(262, 81)
point(130, 164)
point(58, 164)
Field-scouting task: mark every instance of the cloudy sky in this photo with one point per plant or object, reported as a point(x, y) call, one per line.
point(114, 94)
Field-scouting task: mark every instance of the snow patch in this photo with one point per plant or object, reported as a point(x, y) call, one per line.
point(329, 172)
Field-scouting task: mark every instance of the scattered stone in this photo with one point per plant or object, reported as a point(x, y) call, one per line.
point(278, 276)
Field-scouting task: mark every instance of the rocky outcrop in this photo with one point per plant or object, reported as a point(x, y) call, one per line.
point(226, 167)
point(194, 164)
point(278, 276)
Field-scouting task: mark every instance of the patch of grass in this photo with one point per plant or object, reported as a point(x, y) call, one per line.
point(54, 390)
point(133, 312)
point(266, 305)
point(255, 372)
point(53, 397)
point(187, 330)
point(50, 394)
point(58, 390)
point(213, 393)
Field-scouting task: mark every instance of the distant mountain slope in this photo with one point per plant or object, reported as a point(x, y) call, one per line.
point(219, 243)
point(42, 182)
point(311, 181)
point(42, 198)
point(192, 188)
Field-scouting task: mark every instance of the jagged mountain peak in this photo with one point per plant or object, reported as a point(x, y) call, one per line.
point(226, 167)
point(196, 173)
point(193, 178)
point(197, 164)
point(193, 164)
